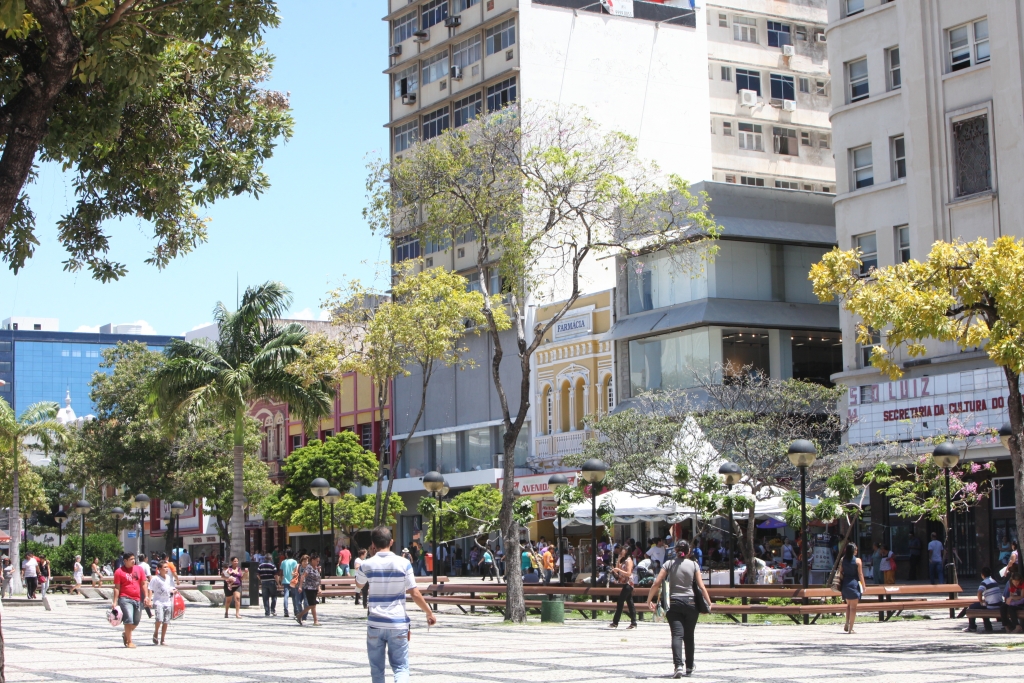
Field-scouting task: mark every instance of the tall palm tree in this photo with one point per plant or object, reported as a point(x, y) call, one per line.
point(37, 424)
point(246, 363)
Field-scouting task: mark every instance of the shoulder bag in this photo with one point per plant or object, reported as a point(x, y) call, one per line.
point(698, 597)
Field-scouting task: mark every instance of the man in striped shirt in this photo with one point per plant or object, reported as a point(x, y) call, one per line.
point(387, 625)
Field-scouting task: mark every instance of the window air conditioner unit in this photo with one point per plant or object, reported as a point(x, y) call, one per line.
point(788, 51)
point(789, 105)
point(748, 98)
point(395, 51)
point(453, 21)
point(421, 36)
point(820, 38)
point(409, 98)
point(456, 73)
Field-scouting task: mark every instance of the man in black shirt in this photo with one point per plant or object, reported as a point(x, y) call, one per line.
point(268, 585)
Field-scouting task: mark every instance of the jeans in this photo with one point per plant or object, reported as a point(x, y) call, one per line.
point(935, 572)
point(915, 562)
point(30, 585)
point(682, 619)
point(547, 576)
point(131, 611)
point(972, 624)
point(626, 597)
point(269, 590)
point(396, 642)
point(42, 588)
point(293, 593)
point(345, 570)
point(1008, 615)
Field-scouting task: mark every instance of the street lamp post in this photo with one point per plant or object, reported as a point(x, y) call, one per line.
point(82, 507)
point(433, 482)
point(440, 508)
point(947, 455)
point(593, 471)
point(141, 503)
point(60, 516)
point(319, 487)
point(731, 475)
point(117, 514)
point(553, 481)
point(802, 454)
point(332, 497)
point(177, 508)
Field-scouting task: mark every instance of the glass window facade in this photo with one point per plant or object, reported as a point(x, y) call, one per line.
point(669, 361)
point(465, 451)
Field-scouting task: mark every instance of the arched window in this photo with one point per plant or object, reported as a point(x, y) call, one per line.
point(580, 403)
point(609, 393)
point(563, 407)
point(549, 406)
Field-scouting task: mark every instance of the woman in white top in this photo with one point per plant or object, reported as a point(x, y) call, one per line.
point(161, 592)
point(79, 574)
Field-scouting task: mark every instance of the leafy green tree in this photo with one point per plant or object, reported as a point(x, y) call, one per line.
point(351, 514)
point(969, 294)
point(105, 546)
point(37, 427)
point(541, 191)
point(470, 513)
point(155, 106)
point(245, 364)
point(340, 459)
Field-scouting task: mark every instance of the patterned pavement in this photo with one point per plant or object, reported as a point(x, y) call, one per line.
point(77, 646)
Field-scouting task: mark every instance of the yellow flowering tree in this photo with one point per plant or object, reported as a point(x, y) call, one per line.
point(968, 293)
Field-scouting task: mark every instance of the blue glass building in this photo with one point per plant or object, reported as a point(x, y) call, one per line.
point(44, 366)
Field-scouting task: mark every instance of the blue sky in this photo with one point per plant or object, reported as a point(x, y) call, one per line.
point(306, 231)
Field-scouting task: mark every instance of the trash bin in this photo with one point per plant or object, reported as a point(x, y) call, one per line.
point(429, 559)
point(552, 610)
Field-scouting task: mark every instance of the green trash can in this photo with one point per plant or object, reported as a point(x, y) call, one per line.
point(552, 611)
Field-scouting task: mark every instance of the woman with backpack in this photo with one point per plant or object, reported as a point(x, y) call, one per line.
point(687, 599)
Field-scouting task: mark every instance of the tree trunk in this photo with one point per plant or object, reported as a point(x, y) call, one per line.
point(748, 542)
point(515, 602)
point(401, 451)
point(14, 522)
point(1016, 458)
point(237, 515)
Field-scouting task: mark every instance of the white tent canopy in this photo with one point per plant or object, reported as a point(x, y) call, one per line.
point(631, 508)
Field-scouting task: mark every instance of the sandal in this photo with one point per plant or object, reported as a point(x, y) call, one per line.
point(155, 641)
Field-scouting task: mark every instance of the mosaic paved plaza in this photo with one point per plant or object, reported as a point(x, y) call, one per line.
point(78, 646)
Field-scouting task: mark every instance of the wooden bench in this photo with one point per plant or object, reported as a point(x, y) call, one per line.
point(981, 613)
point(345, 586)
point(467, 595)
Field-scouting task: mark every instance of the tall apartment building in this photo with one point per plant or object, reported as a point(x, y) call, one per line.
point(926, 115)
point(770, 86)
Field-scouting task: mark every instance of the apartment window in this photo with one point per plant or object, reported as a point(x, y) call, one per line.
point(898, 151)
point(467, 52)
point(730, 178)
point(712, 126)
point(727, 128)
point(467, 109)
point(854, 7)
point(746, 79)
point(406, 81)
point(821, 88)
point(805, 85)
point(801, 32)
point(824, 140)
point(902, 243)
point(826, 189)
point(727, 73)
point(501, 36)
point(782, 87)
point(809, 188)
point(406, 136)
point(968, 45)
point(868, 393)
point(971, 155)
point(406, 248)
point(462, 5)
point(785, 142)
point(787, 185)
point(403, 27)
point(857, 74)
point(501, 94)
point(749, 180)
point(892, 58)
point(432, 246)
point(863, 171)
point(723, 21)
point(435, 123)
point(435, 68)
point(750, 137)
point(366, 436)
point(868, 245)
point(434, 12)
point(779, 34)
point(865, 349)
point(1003, 496)
point(296, 441)
point(744, 29)
point(805, 138)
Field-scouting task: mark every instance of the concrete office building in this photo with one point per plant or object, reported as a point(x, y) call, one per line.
point(769, 84)
point(926, 114)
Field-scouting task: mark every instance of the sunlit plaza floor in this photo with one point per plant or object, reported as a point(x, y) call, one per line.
point(78, 645)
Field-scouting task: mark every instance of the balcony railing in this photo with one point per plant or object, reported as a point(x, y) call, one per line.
point(560, 445)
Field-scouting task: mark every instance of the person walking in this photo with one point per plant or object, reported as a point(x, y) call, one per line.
point(547, 561)
point(623, 573)
point(94, 573)
point(300, 600)
point(78, 574)
point(568, 565)
point(6, 590)
point(388, 627)
point(487, 565)
point(851, 583)
point(356, 564)
point(344, 561)
point(232, 576)
point(268, 585)
point(935, 553)
point(309, 578)
point(914, 550)
point(131, 593)
point(288, 567)
point(876, 564)
point(44, 576)
point(30, 574)
point(161, 593)
point(683, 575)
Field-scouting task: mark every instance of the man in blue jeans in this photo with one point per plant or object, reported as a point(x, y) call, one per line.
point(935, 552)
point(390, 578)
point(288, 567)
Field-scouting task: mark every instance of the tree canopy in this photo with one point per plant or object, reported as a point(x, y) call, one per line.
point(156, 107)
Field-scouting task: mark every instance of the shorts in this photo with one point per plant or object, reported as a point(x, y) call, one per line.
point(311, 596)
point(164, 612)
point(231, 590)
point(131, 609)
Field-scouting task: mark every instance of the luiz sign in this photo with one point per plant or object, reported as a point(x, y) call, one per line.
point(620, 8)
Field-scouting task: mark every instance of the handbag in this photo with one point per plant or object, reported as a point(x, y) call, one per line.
point(698, 596)
point(179, 607)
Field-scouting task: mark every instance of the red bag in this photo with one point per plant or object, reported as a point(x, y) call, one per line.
point(179, 607)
